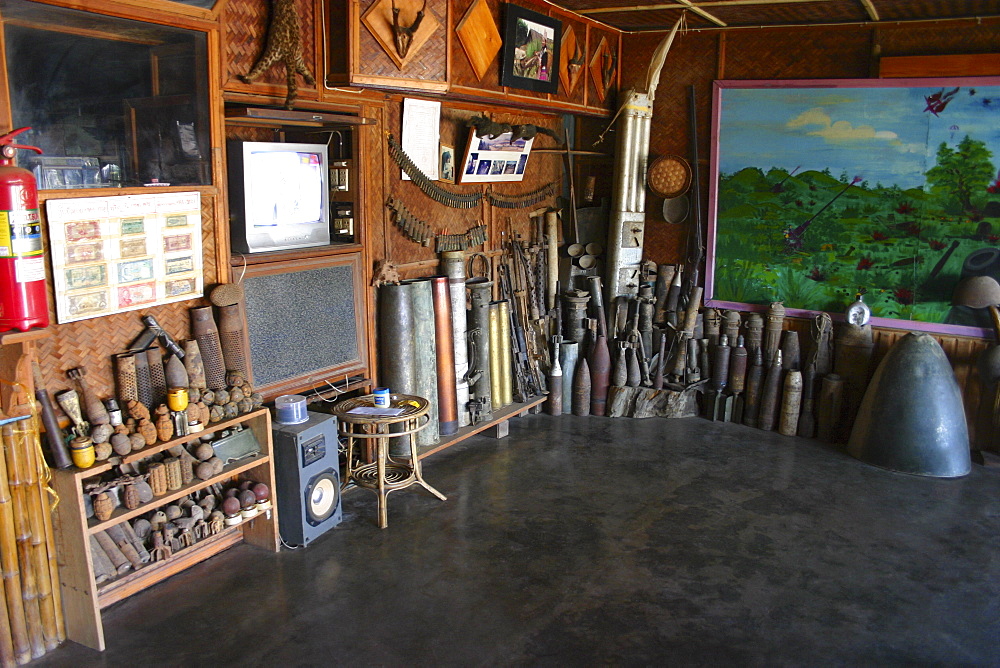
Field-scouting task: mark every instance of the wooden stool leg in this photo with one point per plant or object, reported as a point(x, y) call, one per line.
point(348, 431)
point(415, 463)
point(382, 447)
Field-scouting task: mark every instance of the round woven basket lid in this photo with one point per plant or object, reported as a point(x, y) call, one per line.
point(669, 176)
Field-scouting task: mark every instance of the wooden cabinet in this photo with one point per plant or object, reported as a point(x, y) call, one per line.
point(83, 598)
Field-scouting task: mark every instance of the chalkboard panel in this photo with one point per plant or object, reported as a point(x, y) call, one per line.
point(305, 323)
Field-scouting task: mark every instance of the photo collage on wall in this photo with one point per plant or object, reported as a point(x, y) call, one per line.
point(492, 159)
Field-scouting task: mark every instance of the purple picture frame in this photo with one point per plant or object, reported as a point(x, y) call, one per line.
point(820, 187)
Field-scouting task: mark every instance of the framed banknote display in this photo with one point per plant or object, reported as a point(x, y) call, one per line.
point(113, 254)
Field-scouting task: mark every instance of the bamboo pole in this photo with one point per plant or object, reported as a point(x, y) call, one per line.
point(7, 657)
point(29, 587)
point(11, 571)
point(50, 542)
point(26, 438)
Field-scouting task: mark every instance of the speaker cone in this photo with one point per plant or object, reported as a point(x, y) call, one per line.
point(321, 497)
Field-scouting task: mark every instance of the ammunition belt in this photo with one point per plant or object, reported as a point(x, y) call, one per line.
point(431, 189)
point(505, 201)
point(463, 200)
point(420, 232)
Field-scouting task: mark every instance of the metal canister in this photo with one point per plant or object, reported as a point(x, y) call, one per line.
point(568, 356)
point(664, 276)
point(554, 401)
point(478, 333)
point(599, 361)
point(731, 327)
point(770, 395)
point(772, 331)
point(790, 355)
point(830, 406)
point(581, 387)
point(711, 326)
point(575, 315)
point(506, 362)
point(755, 381)
point(755, 332)
point(791, 403)
point(453, 266)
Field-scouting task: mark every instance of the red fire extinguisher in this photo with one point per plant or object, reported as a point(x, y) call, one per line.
point(23, 291)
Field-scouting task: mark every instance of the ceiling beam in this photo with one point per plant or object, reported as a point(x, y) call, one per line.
point(870, 8)
point(702, 13)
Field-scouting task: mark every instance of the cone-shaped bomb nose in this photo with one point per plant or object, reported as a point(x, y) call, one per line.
point(912, 419)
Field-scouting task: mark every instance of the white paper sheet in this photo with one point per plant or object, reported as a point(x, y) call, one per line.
point(422, 134)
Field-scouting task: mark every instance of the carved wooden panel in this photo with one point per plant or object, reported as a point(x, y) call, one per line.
point(607, 96)
point(430, 63)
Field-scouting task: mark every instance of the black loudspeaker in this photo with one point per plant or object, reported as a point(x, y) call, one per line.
point(307, 475)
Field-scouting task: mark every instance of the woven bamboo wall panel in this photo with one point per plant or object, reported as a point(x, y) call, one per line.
point(836, 53)
point(91, 343)
point(935, 40)
point(690, 62)
point(245, 24)
point(430, 63)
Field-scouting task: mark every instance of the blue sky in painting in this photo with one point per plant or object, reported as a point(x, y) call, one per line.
point(883, 135)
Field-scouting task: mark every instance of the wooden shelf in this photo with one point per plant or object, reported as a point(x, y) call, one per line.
point(499, 416)
point(82, 600)
point(8, 338)
point(122, 514)
point(261, 116)
point(155, 571)
point(156, 448)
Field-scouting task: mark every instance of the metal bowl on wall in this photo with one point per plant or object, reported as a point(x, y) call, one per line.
point(676, 209)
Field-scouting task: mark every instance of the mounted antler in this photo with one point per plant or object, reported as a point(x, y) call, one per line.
point(403, 36)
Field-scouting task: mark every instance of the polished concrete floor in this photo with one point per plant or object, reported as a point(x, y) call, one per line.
point(592, 541)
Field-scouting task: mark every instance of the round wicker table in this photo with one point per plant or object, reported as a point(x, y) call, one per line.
point(386, 474)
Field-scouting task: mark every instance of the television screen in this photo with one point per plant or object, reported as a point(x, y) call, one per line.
point(286, 188)
point(279, 196)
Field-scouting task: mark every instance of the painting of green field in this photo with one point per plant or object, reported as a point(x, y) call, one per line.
point(824, 188)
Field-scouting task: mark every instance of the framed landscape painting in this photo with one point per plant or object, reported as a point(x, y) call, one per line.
point(824, 188)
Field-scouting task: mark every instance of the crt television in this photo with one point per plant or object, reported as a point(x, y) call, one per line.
point(279, 195)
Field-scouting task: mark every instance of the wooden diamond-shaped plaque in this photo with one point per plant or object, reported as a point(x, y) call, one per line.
point(602, 68)
point(378, 20)
point(572, 59)
point(479, 36)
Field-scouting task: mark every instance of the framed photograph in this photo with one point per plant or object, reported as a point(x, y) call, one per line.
point(822, 188)
point(495, 159)
point(447, 169)
point(530, 58)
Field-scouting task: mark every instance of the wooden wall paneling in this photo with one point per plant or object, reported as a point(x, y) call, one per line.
point(370, 214)
point(220, 211)
point(336, 40)
point(962, 65)
point(244, 26)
